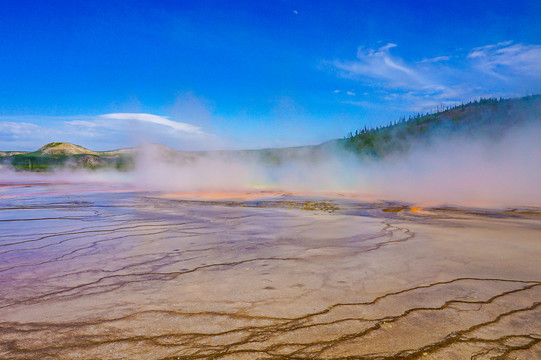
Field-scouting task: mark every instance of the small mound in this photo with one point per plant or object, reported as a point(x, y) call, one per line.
point(61, 148)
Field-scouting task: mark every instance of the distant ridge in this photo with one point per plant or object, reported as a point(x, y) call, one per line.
point(65, 155)
point(491, 118)
point(63, 148)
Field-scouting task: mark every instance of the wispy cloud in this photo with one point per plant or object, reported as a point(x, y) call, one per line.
point(380, 65)
point(21, 135)
point(508, 59)
point(102, 132)
point(18, 129)
point(436, 59)
point(155, 119)
point(502, 69)
point(380, 68)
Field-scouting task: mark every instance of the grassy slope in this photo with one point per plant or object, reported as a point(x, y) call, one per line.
point(65, 155)
point(485, 118)
point(38, 162)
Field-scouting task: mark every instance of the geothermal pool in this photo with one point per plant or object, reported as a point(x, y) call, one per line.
point(95, 271)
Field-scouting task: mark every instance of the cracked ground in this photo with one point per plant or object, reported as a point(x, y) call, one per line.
point(120, 275)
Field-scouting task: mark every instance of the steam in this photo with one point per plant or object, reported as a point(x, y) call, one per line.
point(455, 170)
point(107, 177)
point(464, 171)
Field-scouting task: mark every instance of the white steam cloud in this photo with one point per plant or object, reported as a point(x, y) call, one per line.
point(500, 170)
point(460, 170)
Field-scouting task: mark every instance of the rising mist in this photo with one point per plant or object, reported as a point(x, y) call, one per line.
point(455, 169)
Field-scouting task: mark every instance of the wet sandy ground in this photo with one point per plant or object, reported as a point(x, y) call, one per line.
point(117, 275)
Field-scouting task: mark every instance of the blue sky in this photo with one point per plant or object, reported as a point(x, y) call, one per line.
point(249, 74)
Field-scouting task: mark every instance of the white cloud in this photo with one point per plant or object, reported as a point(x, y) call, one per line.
point(436, 59)
point(21, 135)
point(83, 123)
point(387, 70)
point(375, 64)
point(19, 129)
point(103, 132)
point(356, 103)
point(502, 69)
point(508, 59)
point(156, 119)
point(479, 51)
point(350, 93)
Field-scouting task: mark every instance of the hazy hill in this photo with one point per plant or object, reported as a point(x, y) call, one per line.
point(491, 118)
point(484, 118)
point(62, 154)
point(62, 148)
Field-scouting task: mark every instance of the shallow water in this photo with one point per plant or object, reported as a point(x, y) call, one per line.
point(94, 271)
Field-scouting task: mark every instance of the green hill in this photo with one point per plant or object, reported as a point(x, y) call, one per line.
point(64, 155)
point(491, 118)
point(62, 148)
